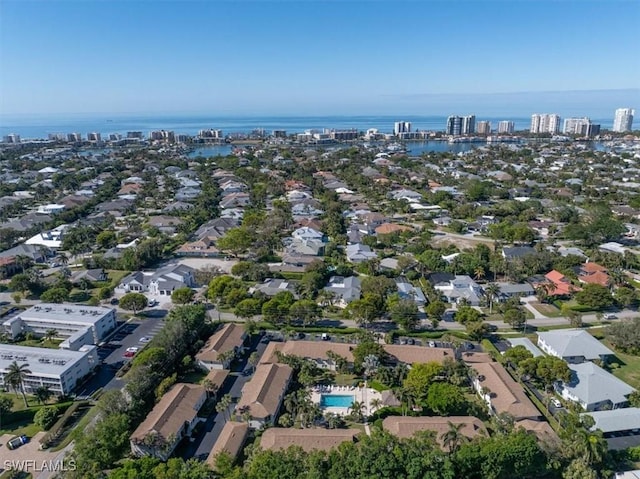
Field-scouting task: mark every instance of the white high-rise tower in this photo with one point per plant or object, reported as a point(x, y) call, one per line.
point(623, 121)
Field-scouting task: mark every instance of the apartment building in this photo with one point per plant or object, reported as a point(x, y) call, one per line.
point(59, 370)
point(79, 325)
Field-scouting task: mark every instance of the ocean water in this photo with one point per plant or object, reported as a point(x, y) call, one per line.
point(40, 126)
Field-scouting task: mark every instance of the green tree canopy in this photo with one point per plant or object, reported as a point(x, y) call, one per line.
point(133, 302)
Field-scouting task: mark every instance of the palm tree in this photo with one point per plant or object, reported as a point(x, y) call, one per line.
point(23, 262)
point(491, 291)
point(50, 335)
point(375, 403)
point(245, 413)
point(63, 259)
point(541, 293)
point(210, 387)
point(15, 376)
point(254, 359)
point(42, 394)
point(453, 438)
point(357, 409)
point(479, 273)
point(223, 405)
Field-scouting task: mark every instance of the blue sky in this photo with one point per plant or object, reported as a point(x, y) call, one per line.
point(306, 57)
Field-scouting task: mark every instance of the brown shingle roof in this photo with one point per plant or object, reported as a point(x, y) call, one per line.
point(225, 339)
point(174, 409)
point(308, 439)
point(506, 394)
point(263, 393)
point(388, 228)
point(306, 349)
point(418, 354)
point(217, 376)
point(231, 440)
point(406, 427)
point(541, 429)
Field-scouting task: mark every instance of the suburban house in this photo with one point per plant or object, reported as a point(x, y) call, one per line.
point(408, 291)
point(306, 247)
point(262, 396)
point(511, 290)
point(357, 253)
point(313, 439)
point(501, 392)
point(405, 427)
point(459, 288)
point(307, 233)
point(593, 273)
point(199, 248)
point(344, 289)
point(159, 283)
point(231, 440)
point(594, 388)
point(235, 200)
point(272, 286)
point(624, 420)
point(92, 275)
point(555, 283)
point(173, 418)
point(517, 252)
point(398, 353)
point(222, 347)
point(573, 345)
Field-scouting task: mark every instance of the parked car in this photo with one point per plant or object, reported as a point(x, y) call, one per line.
point(133, 349)
point(556, 402)
point(610, 316)
point(432, 344)
point(16, 442)
point(114, 301)
point(325, 337)
point(144, 339)
point(152, 303)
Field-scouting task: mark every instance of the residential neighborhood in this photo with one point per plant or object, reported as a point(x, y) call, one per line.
point(291, 296)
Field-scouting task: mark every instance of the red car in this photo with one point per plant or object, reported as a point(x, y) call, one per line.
point(129, 354)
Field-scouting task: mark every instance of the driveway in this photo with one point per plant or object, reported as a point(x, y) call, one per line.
point(202, 445)
point(29, 457)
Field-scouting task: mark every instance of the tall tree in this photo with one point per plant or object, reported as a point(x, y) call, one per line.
point(15, 376)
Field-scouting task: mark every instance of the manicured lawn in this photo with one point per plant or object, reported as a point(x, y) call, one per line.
point(115, 276)
point(345, 379)
point(38, 343)
point(377, 385)
point(20, 419)
point(194, 377)
point(629, 370)
point(547, 309)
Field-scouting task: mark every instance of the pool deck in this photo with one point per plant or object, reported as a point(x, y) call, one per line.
point(364, 395)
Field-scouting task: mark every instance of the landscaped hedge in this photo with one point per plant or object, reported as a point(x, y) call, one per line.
point(60, 424)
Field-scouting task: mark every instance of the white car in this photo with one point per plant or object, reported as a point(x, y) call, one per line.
point(133, 349)
point(556, 403)
point(610, 316)
point(152, 303)
point(144, 339)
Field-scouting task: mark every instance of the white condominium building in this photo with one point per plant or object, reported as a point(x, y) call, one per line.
point(623, 121)
point(401, 127)
point(545, 123)
point(80, 325)
point(59, 370)
point(575, 126)
point(506, 126)
point(483, 127)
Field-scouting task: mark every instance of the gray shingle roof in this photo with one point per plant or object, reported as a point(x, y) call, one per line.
point(575, 342)
point(623, 419)
point(592, 384)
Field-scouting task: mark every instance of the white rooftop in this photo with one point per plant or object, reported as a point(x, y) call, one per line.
point(42, 361)
point(65, 313)
point(574, 342)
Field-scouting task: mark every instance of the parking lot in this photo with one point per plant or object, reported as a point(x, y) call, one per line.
point(111, 354)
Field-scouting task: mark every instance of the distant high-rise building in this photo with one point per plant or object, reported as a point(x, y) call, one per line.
point(279, 133)
point(211, 134)
point(74, 137)
point(506, 126)
point(454, 125)
point(114, 136)
point(591, 130)
point(468, 125)
point(94, 136)
point(163, 135)
point(623, 121)
point(575, 126)
point(11, 138)
point(545, 123)
point(483, 128)
point(345, 135)
point(134, 135)
point(401, 127)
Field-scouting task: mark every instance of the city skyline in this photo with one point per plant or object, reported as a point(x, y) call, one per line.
point(283, 58)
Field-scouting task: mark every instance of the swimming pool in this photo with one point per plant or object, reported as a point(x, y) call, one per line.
point(336, 400)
